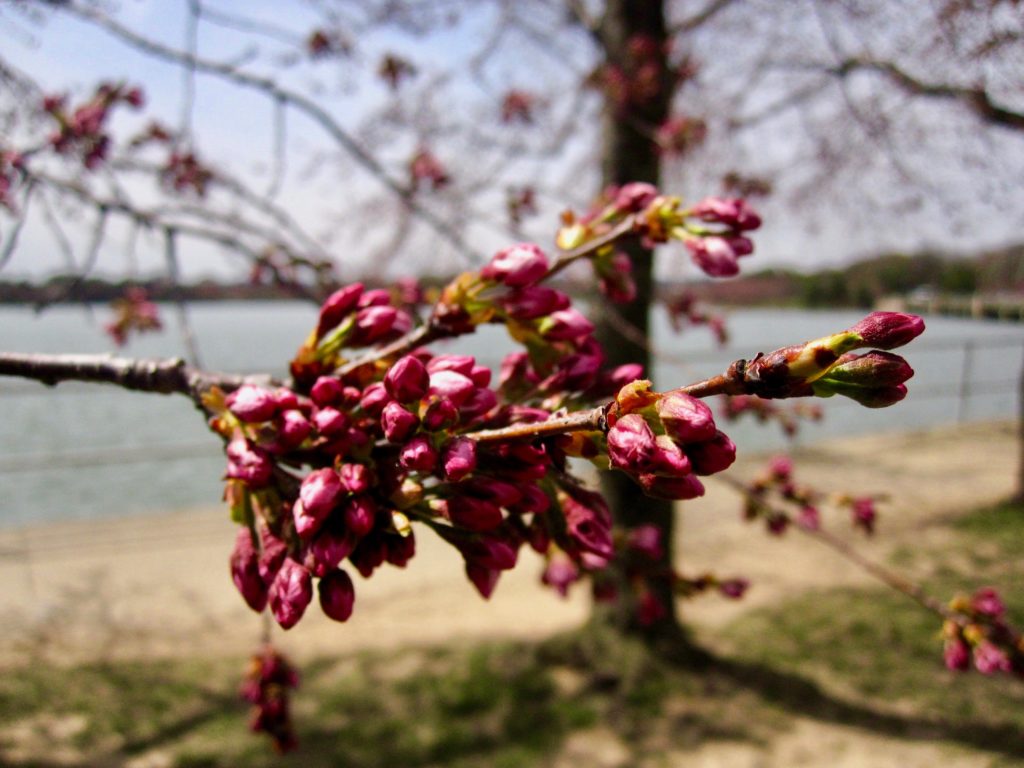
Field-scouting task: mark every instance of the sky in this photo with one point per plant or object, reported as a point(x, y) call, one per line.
point(349, 209)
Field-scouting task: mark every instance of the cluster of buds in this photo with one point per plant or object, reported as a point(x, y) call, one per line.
point(393, 69)
point(12, 165)
point(733, 588)
point(184, 171)
point(665, 441)
point(520, 202)
point(775, 497)
point(788, 417)
point(640, 77)
point(828, 366)
point(426, 170)
point(713, 230)
point(684, 309)
point(325, 43)
point(82, 130)
point(679, 134)
point(133, 313)
point(266, 686)
point(977, 631)
point(517, 107)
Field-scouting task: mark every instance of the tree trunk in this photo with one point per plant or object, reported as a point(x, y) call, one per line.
point(629, 153)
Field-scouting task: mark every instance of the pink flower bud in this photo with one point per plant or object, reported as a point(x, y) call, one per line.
point(330, 422)
point(863, 510)
point(459, 458)
point(326, 390)
point(472, 513)
point(337, 595)
point(635, 196)
point(377, 297)
point(957, 655)
point(360, 515)
point(374, 398)
point(332, 545)
point(481, 375)
point(625, 374)
point(712, 455)
point(290, 593)
point(501, 493)
point(248, 464)
point(271, 558)
point(480, 403)
point(252, 404)
point(685, 419)
point(515, 371)
point(355, 478)
point(631, 445)
point(455, 386)
point(872, 369)
point(589, 525)
point(397, 422)
point(459, 363)
point(337, 306)
point(373, 324)
point(560, 573)
point(781, 467)
point(650, 610)
point(734, 588)
point(987, 602)
point(407, 379)
point(646, 539)
point(533, 500)
point(533, 302)
point(318, 495)
point(517, 266)
point(245, 572)
point(440, 414)
point(418, 455)
point(400, 549)
point(990, 658)
point(565, 325)
point(678, 487)
point(733, 212)
point(286, 399)
point(484, 579)
point(292, 429)
point(888, 330)
point(491, 552)
point(810, 518)
point(715, 255)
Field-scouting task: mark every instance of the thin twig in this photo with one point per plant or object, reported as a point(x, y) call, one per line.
point(184, 324)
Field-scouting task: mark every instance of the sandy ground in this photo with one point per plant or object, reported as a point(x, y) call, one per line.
point(159, 585)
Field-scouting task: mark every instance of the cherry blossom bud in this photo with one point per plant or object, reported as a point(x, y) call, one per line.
point(990, 658)
point(374, 398)
point(337, 306)
point(318, 495)
point(400, 549)
point(650, 610)
point(332, 545)
point(956, 655)
point(330, 422)
point(290, 593)
point(872, 369)
point(407, 379)
point(716, 256)
point(481, 375)
point(515, 371)
point(810, 518)
point(565, 325)
point(625, 374)
point(589, 524)
point(397, 422)
point(292, 429)
point(355, 478)
point(479, 404)
point(678, 487)
point(327, 390)
point(440, 414)
point(472, 513)
point(459, 458)
point(534, 500)
point(484, 579)
point(646, 539)
point(560, 573)
point(459, 363)
point(634, 196)
point(863, 510)
point(248, 464)
point(501, 493)
point(733, 212)
point(517, 266)
point(888, 330)
point(712, 455)
point(272, 556)
point(685, 419)
point(245, 572)
point(987, 602)
point(780, 467)
point(373, 324)
point(455, 386)
point(533, 302)
point(418, 455)
point(337, 595)
point(491, 552)
point(377, 297)
point(360, 515)
point(252, 404)
point(734, 589)
point(631, 444)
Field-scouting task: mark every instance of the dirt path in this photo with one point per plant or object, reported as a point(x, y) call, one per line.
point(159, 585)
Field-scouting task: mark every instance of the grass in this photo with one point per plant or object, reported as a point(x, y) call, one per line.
point(860, 657)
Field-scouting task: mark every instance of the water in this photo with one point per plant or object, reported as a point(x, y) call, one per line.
point(81, 451)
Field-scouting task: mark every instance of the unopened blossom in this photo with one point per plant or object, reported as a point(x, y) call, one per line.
point(685, 418)
point(337, 307)
point(560, 573)
point(734, 588)
point(252, 404)
point(888, 330)
point(360, 513)
point(957, 654)
point(730, 211)
point(459, 458)
point(337, 595)
point(712, 456)
point(397, 423)
point(484, 579)
point(646, 539)
point(664, 487)
point(326, 390)
point(290, 593)
point(245, 571)
point(565, 325)
point(418, 455)
point(634, 196)
point(407, 380)
point(248, 463)
point(517, 266)
point(454, 386)
point(990, 658)
point(330, 422)
point(987, 602)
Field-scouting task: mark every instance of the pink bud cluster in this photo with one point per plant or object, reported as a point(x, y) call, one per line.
point(184, 171)
point(133, 313)
point(266, 686)
point(665, 440)
point(775, 497)
point(425, 170)
point(683, 309)
point(977, 632)
point(82, 130)
point(517, 107)
point(680, 134)
point(718, 251)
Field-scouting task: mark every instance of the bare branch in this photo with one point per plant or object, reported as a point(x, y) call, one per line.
point(702, 17)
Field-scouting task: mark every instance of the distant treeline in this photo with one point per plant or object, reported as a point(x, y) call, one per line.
point(858, 285)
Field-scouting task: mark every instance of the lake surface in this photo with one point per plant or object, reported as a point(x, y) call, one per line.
point(81, 451)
